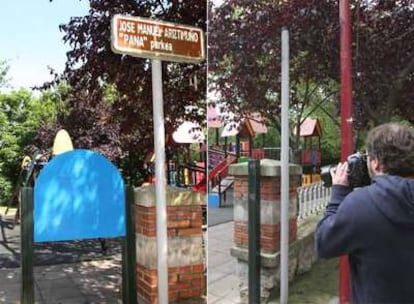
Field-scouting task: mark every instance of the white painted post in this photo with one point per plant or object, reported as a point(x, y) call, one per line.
point(160, 184)
point(284, 215)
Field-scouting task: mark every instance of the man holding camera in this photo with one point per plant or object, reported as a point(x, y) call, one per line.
point(374, 225)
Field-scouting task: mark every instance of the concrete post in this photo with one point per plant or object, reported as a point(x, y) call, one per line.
point(270, 171)
point(186, 277)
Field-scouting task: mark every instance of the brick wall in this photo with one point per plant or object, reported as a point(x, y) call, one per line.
point(270, 226)
point(269, 207)
point(185, 258)
point(270, 203)
point(183, 282)
point(269, 187)
point(269, 235)
point(182, 220)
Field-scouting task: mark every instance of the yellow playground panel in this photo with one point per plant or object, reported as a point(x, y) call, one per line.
point(308, 179)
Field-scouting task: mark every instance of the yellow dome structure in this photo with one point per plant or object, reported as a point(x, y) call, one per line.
point(62, 143)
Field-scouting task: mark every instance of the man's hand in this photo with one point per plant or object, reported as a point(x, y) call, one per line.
point(340, 177)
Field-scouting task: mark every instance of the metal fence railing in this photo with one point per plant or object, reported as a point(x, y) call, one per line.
point(312, 199)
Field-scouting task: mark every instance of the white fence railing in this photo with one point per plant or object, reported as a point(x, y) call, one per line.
point(312, 199)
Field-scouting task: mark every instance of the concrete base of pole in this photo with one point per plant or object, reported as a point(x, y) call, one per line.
point(301, 258)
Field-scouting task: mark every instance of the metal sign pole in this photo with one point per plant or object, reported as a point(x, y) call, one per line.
point(160, 193)
point(284, 157)
point(27, 295)
point(254, 231)
point(129, 36)
point(129, 286)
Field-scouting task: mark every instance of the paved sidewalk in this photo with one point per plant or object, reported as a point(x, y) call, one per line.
point(99, 279)
point(319, 286)
point(217, 216)
point(221, 278)
point(77, 283)
point(53, 253)
point(76, 272)
point(64, 272)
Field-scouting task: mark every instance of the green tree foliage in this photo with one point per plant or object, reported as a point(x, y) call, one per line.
point(20, 116)
point(4, 68)
point(383, 61)
point(111, 95)
point(245, 55)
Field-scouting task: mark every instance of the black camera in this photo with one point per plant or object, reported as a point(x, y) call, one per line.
point(358, 175)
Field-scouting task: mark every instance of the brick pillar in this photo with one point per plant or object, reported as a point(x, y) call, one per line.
point(269, 223)
point(185, 260)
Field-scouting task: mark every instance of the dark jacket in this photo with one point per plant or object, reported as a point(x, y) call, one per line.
point(374, 225)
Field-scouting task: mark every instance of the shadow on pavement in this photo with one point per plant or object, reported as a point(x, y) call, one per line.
point(52, 253)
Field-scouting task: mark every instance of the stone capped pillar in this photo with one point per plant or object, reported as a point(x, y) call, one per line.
point(269, 223)
point(185, 259)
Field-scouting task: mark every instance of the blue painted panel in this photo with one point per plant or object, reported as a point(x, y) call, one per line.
point(213, 201)
point(79, 195)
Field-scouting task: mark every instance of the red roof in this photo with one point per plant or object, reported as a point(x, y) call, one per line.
point(256, 121)
point(310, 127)
point(250, 126)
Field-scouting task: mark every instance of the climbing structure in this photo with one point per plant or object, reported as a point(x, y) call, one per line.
point(221, 156)
point(310, 154)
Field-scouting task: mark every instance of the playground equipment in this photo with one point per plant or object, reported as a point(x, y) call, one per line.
point(247, 128)
point(182, 170)
point(30, 168)
point(62, 143)
point(218, 177)
point(29, 171)
point(310, 155)
point(221, 157)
